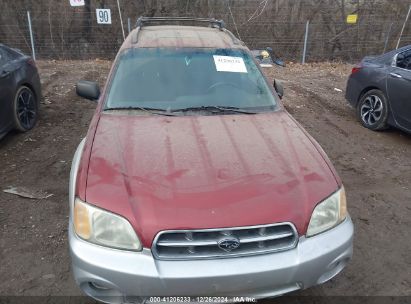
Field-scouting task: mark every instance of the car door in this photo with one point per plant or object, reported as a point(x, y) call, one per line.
point(6, 91)
point(399, 89)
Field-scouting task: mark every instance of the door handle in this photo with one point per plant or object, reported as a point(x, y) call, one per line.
point(395, 75)
point(4, 74)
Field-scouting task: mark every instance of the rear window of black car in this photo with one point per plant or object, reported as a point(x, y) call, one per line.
point(7, 55)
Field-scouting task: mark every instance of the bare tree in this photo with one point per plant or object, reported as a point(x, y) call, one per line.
point(61, 31)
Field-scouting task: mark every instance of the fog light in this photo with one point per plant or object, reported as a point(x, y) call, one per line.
point(333, 269)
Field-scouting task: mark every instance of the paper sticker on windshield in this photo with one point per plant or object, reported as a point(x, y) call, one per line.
point(229, 64)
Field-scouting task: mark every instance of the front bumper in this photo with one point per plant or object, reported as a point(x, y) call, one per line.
point(117, 276)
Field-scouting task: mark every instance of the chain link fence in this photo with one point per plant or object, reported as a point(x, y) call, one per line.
point(64, 32)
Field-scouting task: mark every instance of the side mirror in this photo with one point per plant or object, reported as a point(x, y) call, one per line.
point(278, 87)
point(88, 89)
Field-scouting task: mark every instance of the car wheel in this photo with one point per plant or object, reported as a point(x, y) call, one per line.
point(373, 110)
point(25, 109)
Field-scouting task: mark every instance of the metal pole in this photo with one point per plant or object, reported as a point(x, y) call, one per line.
point(305, 40)
point(358, 26)
point(31, 36)
point(129, 25)
point(232, 17)
point(388, 37)
point(403, 26)
point(121, 19)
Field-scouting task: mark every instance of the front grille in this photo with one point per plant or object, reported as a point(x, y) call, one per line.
point(224, 242)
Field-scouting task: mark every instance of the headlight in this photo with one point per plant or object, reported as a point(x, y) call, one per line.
point(104, 228)
point(328, 213)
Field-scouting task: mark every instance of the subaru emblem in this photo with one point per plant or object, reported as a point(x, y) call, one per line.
point(229, 244)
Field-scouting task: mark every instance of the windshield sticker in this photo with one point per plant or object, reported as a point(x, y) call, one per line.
point(229, 64)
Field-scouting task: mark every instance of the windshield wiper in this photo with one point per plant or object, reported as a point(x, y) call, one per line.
point(215, 109)
point(153, 111)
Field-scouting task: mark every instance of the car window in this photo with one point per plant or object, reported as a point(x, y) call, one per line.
point(7, 56)
point(179, 78)
point(404, 60)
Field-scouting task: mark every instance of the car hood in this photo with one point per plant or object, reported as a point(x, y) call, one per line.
point(195, 172)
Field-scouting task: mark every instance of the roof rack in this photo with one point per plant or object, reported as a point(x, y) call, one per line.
point(141, 21)
point(220, 24)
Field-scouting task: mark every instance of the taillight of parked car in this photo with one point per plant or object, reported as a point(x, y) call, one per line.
point(356, 69)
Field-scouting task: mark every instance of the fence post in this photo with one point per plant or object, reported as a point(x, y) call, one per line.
point(388, 37)
point(31, 36)
point(305, 40)
point(121, 19)
point(403, 27)
point(129, 25)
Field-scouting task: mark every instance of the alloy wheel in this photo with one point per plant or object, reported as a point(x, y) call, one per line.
point(26, 108)
point(371, 110)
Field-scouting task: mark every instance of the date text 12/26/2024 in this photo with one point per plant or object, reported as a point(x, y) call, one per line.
point(238, 299)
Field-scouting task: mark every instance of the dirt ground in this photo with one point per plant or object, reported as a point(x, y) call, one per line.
point(375, 168)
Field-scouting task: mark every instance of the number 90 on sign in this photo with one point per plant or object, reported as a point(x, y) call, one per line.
point(103, 16)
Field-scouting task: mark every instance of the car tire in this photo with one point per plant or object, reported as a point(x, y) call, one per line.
point(25, 109)
point(372, 110)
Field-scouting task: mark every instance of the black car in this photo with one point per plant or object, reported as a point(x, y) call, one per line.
point(20, 91)
point(380, 90)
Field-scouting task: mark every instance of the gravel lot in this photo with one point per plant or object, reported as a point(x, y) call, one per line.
point(375, 168)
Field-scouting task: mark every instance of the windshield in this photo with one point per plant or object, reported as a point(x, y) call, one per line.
point(172, 79)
